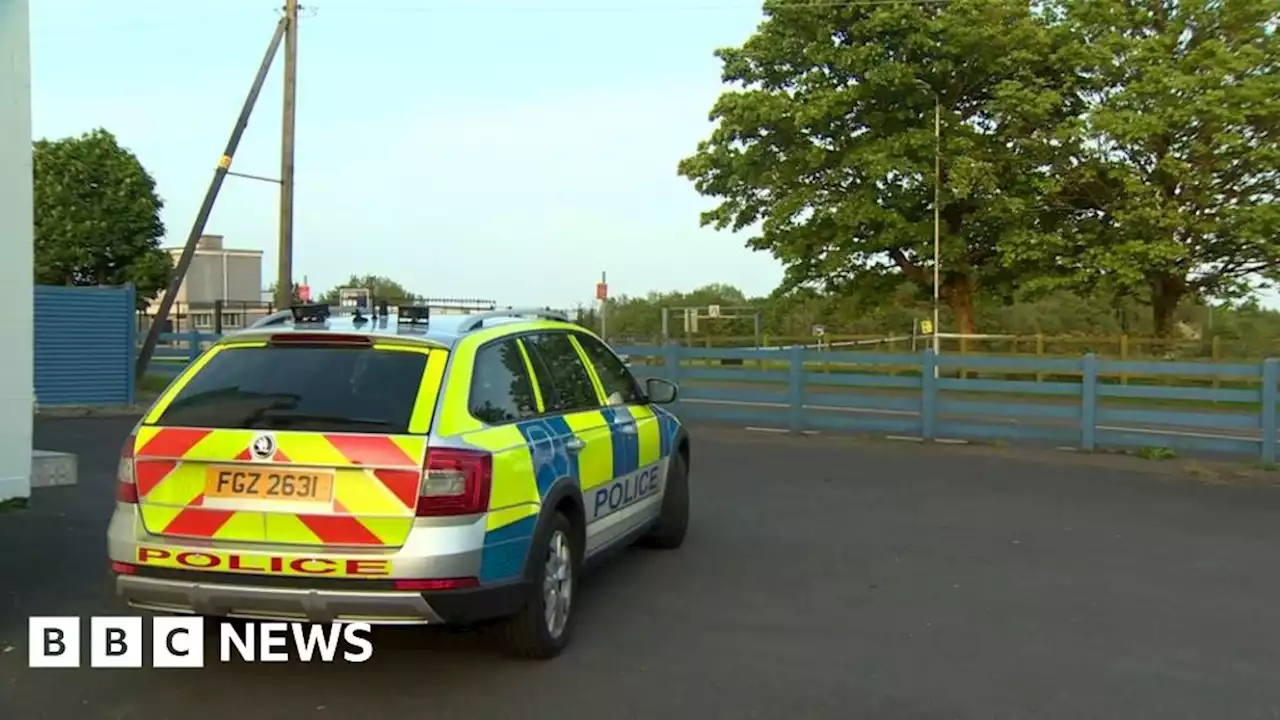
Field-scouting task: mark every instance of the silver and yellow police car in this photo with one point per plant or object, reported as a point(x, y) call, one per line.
point(397, 468)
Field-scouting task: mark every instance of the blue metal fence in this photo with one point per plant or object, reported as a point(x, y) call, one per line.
point(174, 351)
point(1085, 402)
point(84, 345)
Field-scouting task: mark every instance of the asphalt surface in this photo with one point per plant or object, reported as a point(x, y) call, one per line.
point(822, 578)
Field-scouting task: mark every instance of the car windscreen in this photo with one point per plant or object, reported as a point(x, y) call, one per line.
point(320, 389)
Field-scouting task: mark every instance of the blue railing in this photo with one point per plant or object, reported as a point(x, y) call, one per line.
point(175, 350)
point(1084, 402)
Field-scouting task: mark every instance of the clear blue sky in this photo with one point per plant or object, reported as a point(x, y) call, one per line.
point(507, 149)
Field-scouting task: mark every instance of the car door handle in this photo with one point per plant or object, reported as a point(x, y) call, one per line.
point(629, 428)
point(574, 445)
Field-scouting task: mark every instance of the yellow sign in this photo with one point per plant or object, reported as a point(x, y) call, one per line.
point(926, 327)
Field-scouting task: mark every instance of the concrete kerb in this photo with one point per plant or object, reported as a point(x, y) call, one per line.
point(74, 411)
point(51, 468)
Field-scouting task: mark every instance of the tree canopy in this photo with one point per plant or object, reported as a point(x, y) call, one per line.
point(830, 143)
point(1126, 148)
point(97, 216)
point(1172, 189)
point(380, 287)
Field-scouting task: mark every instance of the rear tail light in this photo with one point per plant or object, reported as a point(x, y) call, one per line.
point(455, 482)
point(126, 482)
point(436, 584)
point(120, 568)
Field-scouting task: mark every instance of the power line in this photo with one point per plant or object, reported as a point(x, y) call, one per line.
point(215, 6)
point(602, 10)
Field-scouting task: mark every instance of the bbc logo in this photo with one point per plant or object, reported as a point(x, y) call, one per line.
point(178, 642)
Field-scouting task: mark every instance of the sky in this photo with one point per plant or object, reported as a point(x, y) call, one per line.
point(509, 150)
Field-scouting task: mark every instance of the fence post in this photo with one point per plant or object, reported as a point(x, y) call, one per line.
point(929, 394)
point(217, 316)
point(1089, 402)
point(193, 344)
point(1039, 353)
point(671, 358)
point(795, 388)
point(1216, 356)
point(1124, 355)
point(1270, 374)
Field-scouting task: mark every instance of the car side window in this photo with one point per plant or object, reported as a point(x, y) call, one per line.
point(562, 378)
point(620, 386)
point(501, 389)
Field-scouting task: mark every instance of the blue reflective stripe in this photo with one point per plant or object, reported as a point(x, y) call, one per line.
point(505, 550)
point(666, 429)
point(626, 445)
point(551, 461)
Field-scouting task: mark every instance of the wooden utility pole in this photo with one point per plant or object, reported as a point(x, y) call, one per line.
point(284, 272)
point(937, 222)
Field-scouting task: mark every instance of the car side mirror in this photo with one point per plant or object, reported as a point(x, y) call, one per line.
point(660, 391)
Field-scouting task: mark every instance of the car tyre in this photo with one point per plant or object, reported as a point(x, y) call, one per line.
point(673, 522)
point(542, 628)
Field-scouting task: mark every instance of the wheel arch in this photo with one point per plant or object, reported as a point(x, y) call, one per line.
point(682, 446)
point(565, 498)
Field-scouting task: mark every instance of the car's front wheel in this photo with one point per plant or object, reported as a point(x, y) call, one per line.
point(542, 628)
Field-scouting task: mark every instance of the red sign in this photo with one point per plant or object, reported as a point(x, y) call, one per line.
point(304, 293)
point(602, 291)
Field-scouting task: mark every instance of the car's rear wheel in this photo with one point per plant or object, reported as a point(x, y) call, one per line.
point(673, 522)
point(542, 628)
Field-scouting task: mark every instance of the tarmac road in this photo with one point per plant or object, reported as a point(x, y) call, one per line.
point(823, 578)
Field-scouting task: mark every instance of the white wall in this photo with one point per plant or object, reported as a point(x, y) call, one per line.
point(16, 390)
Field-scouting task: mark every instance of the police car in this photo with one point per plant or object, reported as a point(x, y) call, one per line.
point(397, 468)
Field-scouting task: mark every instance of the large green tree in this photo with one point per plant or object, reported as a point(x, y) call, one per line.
point(1171, 193)
point(828, 144)
point(382, 288)
point(97, 216)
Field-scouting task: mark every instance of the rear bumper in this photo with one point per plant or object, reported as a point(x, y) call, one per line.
point(236, 598)
point(324, 588)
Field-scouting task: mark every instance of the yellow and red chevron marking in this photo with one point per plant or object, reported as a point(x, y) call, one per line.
point(375, 486)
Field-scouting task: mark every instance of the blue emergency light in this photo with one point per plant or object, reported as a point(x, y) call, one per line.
point(309, 313)
point(413, 315)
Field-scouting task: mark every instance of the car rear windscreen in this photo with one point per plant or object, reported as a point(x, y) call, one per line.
point(319, 389)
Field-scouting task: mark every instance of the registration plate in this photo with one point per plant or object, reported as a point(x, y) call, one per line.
point(243, 483)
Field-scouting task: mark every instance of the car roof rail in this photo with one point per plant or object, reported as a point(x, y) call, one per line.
point(475, 322)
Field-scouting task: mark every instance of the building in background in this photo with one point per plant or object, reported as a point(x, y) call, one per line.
point(219, 278)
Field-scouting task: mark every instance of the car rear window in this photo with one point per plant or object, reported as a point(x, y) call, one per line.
point(321, 389)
